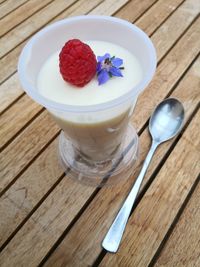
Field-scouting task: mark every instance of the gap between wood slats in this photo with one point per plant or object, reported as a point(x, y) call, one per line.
point(13, 9)
point(30, 162)
point(23, 128)
point(33, 210)
point(13, 102)
point(167, 18)
point(2, 1)
point(141, 194)
point(193, 21)
point(38, 28)
point(176, 219)
point(141, 13)
point(25, 18)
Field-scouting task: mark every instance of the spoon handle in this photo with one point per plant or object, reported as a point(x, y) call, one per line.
point(113, 237)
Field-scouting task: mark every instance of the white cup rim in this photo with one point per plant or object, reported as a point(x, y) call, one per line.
point(49, 104)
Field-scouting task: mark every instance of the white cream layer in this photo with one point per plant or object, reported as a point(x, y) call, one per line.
point(52, 86)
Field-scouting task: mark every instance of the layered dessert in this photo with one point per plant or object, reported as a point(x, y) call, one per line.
point(77, 78)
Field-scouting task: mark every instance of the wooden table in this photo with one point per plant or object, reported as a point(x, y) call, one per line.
point(46, 219)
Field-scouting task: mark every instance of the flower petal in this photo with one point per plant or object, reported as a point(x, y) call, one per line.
point(117, 62)
point(103, 76)
point(98, 67)
point(115, 72)
point(102, 58)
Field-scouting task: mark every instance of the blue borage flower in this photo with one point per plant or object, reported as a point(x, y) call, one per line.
point(107, 67)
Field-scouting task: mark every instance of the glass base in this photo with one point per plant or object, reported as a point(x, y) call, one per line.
point(105, 173)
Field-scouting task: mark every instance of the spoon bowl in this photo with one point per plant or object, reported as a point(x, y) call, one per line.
point(166, 120)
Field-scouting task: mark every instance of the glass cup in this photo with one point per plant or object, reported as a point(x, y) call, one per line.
point(97, 143)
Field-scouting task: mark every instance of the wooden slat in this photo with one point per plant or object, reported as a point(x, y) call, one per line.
point(108, 7)
point(167, 72)
point(179, 21)
point(2, 1)
point(29, 189)
point(31, 25)
point(10, 5)
point(16, 118)
point(87, 234)
point(159, 206)
point(9, 91)
point(158, 12)
point(143, 24)
point(25, 147)
point(69, 195)
point(20, 14)
point(97, 219)
point(182, 248)
point(132, 8)
point(80, 8)
point(8, 63)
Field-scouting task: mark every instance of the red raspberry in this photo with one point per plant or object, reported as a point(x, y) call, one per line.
point(77, 63)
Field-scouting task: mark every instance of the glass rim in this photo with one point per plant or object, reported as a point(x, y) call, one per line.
point(49, 104)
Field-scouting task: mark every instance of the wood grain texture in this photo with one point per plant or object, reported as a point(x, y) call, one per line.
point(10, 5)
point(2, 1)
point(31, 25)
point(28, 190)
point(9, 91)
point(157, 13)
point(182, 247)
point(87, 234)
point(67, 195)
point(20, 14)
point(108, 7)
point(8, 63)
point(25, 147)
point(159, 206)
point(175, 26)
point(169, 71)
point(16, 118)
point(133, 9)
point(81, 7)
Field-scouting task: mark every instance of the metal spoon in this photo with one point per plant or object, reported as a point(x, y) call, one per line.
point(165, 122)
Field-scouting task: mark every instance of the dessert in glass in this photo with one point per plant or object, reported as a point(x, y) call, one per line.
point(97, 142)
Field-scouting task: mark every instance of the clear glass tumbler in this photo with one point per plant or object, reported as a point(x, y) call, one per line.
point(97, 142)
